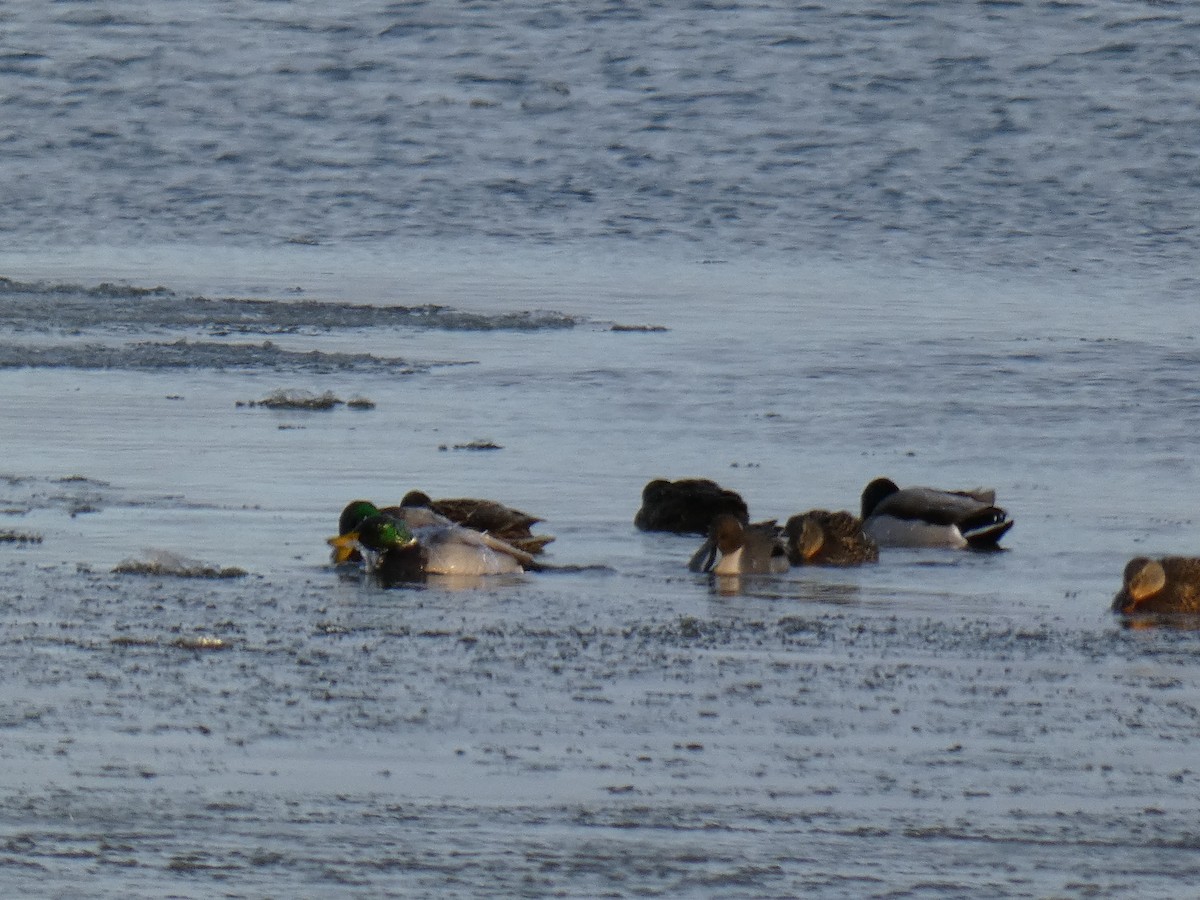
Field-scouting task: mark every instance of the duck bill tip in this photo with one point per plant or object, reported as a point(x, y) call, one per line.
point(343, 546)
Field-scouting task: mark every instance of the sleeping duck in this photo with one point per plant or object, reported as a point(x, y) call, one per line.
point(928, 517)
point(823, 538)
point(686, 506)
point(1167, 585)
point(734, 548)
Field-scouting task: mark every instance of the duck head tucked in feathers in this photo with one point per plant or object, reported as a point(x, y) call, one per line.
point(686, 506)
point(929, 517)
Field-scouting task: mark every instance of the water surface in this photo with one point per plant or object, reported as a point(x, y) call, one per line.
point(788, 248)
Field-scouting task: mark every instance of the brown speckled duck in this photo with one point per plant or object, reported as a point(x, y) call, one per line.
point(823, 538)
point(1167, 585)
point(687, 506)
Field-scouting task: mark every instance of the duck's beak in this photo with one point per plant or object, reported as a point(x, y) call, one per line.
point(812, 541)
point(704, 558)
point(344, 546)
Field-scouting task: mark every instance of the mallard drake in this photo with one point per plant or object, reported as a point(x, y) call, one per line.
point(427, 526)
point(823, 538)
point(504, 522)
point(398, 552)
point(1167, 585)
point(352, 513)
point(686, 506)
point(734, 548)
point(928, 517)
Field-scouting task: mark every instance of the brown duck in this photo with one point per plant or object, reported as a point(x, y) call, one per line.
point(687, 506)
point(823, 538)
point(1167, 585)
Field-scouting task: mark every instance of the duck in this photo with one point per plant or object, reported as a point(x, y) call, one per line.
point(929, 517)
point(430, 529)
point(1170, 584)
point(687, 506)
point(735, 548)
point(823, 538)
point(508, 524)
point(352, 513)
point(398, 552)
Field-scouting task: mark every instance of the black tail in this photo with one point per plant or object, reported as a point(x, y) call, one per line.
point(983, 529)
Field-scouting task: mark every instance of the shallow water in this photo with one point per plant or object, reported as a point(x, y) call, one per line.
point(790, 249)
point(939, 724)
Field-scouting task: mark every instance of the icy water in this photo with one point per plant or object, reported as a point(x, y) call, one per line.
point(787, 247)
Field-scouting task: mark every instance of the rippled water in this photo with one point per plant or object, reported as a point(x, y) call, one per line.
point(1003, 132)
point(789, 248)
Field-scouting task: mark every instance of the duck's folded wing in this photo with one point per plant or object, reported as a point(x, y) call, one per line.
point(484, 515)
point(929, 505)
point(454, 550)
point(418, 517)
point(987, 496)
point(492, 542)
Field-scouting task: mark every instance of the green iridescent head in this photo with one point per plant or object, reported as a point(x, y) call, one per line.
point(380, 533)
point(354, 513)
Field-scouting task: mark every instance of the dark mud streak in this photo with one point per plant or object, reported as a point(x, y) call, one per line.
point(193, 355)
point(66, 308)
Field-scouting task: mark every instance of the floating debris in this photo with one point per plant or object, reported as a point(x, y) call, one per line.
point(126, 641)
point(295, 400)
point(19, 537)
point(478, 445)
point(306, 400)
point(643, 328)
point(203, 642)
point(200, 643)
point(164, 562)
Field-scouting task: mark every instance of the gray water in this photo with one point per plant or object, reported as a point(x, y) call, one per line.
point(787, 247)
